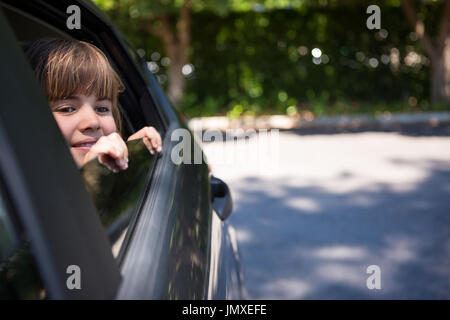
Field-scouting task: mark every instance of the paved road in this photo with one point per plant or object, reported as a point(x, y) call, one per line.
point(310, 224)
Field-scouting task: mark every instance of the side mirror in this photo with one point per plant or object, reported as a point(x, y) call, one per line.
point(221, 198)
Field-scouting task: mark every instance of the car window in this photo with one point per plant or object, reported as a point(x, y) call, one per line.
point(117, 196)
point(31, 26)
point(19, 277)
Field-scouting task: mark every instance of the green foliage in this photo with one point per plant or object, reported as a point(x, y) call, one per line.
point(259, 61)
point(262, 62)
point(138, 9)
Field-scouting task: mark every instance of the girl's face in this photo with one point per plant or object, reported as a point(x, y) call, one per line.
point(83, 120)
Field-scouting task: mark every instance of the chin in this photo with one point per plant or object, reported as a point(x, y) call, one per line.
point(78, 157)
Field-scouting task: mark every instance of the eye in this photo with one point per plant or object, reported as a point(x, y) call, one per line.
point(66, 109)
point(102, 109)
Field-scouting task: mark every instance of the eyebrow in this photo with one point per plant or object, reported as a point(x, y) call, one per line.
point(78, 98)
point(103, 98)
point(69, 98)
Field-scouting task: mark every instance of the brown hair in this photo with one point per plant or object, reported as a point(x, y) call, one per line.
point(67, 67)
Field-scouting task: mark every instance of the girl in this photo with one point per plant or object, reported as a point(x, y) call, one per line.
point(82, 89)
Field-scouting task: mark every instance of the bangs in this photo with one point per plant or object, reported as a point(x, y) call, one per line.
point(69, 67)
point(80, 69)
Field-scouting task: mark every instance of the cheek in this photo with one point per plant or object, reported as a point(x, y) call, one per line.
point(108, 125)
point(66, 125)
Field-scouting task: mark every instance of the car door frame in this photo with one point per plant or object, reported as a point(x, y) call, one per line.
point(128, 288)
point(41, 178)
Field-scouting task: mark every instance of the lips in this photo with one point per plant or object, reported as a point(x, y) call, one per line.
point(84, 144)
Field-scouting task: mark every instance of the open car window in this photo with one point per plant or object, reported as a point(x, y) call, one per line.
point(117, 196)
point(136, 105)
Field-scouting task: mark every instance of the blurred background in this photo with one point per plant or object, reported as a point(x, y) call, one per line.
point(280, 57)
point(342, 195)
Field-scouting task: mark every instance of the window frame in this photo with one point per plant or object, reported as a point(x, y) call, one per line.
point(97, 30)
point(60, 235)
point(145, 91)
point(138, 91)
point(19, 244)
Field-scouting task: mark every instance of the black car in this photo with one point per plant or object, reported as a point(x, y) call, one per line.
point(154, 231)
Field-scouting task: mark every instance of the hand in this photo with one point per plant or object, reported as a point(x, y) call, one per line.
point(111, 151)
point(150, 137)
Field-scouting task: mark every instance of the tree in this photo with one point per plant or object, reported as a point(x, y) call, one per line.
point(176, 42)
point(170, 21)
point(155, 18)
point(438, 50)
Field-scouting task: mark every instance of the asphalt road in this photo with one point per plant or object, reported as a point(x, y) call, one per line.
point(313, 211)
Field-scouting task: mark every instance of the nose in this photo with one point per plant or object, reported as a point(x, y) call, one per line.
point(88, 119)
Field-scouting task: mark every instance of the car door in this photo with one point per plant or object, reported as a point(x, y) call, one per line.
point(174, 246)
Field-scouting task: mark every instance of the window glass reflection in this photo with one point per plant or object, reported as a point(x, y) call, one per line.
point(19, 277)
point(116, 195)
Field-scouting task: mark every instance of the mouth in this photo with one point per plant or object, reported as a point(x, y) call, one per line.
point(84, 145)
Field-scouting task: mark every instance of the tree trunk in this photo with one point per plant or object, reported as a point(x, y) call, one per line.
point(438, 51)
point(176, 43)
point(177, 81)
point(440, 76)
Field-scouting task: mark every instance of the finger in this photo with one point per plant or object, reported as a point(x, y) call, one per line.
point(120, 145)
point(137, 135)
point(148, 132)
point(148, 145)
point(155, 138)
point(108, 151)
point(151, 138)
point(159, 142)
point(112, 151)
point(108, 162)
point(103, 146)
